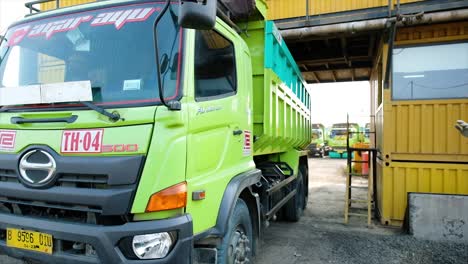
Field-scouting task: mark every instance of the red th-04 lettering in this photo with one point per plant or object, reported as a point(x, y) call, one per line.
point(82, 141)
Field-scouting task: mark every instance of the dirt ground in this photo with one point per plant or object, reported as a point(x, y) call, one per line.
point(321, 237)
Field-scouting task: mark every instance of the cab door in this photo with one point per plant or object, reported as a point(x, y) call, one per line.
point(219, 143)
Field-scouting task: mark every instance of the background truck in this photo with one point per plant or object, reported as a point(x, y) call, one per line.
point(152, 132)
point(319, 144)
point(337, 138)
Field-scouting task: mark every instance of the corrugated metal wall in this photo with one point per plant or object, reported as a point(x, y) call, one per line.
point(64, 3)
point(398, 179)
point(432, 33)
point(280, 9)
point(422, 130)
point(51, 70)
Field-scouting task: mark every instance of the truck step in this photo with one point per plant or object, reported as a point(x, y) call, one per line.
point(356, 214)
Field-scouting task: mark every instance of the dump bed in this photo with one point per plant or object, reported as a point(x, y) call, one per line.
point(281, 100)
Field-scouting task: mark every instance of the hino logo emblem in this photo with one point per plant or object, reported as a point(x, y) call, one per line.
point(37, 168)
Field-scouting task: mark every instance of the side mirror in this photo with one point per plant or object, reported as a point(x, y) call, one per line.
point(197, 14)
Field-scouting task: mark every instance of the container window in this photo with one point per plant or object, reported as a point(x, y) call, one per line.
point(430, 72)
point(215, 67)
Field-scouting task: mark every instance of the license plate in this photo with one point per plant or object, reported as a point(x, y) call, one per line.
point(29, 240)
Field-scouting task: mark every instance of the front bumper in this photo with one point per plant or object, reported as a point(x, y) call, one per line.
point(104, 239)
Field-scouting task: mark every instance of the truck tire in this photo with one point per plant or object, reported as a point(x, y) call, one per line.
point(236, 246)
point(295, 207)
point(305, 180)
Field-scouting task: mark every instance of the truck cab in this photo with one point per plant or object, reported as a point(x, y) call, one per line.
point(339, 133)
point(318, 145)
point(131, 132)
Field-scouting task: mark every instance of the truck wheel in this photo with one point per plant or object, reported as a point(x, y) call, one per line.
point(236, 246)
point(295, 207)
point(305, 176)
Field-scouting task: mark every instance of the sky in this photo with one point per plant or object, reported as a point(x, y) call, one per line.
point(331, 102)
point(10, 11)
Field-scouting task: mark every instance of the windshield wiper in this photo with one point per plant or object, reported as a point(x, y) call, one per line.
point(114, 116)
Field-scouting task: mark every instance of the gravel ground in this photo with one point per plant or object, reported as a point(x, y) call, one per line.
point(321, 237)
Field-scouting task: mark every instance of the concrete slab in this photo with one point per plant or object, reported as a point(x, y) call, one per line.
point(438, 217)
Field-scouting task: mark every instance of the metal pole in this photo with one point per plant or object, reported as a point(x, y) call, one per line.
point(412, 93)
point(57, 4)
point(389, 8)
point(307, 12)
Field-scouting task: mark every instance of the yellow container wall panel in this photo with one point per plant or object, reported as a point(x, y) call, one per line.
point(432, 33)
point(424, 129)
point(395, 181)
point(280, 9)
point(427, 128)
point(64, 3)
point(51, 69)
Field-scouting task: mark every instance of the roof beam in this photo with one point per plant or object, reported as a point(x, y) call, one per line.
point(339, 66)
point(334, 60)
point(315, 77)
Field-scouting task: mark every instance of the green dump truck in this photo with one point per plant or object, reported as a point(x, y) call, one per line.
point(366, 132)
point(338, 136)
point(148, 132)
point(318, 145)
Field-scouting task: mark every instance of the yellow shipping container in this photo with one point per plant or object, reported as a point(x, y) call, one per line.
point(63, 3)
point(280, 9)
point(395, 181)
point(420, 150)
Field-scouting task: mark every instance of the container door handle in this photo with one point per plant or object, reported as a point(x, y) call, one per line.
point(237, 132)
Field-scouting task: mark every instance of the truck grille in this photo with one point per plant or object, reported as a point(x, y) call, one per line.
point(8, 175)
point(99, 185)
point(65, 179)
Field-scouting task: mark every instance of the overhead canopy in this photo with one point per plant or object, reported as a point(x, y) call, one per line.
point(343, 46)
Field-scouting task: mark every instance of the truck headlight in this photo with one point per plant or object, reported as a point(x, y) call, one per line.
point(152, 246)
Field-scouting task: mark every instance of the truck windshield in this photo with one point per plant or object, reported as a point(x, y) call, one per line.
point(338, 133)
point(113, 48)
point(316, 134)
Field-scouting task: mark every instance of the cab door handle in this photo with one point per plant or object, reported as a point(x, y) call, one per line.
point(237, 132)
